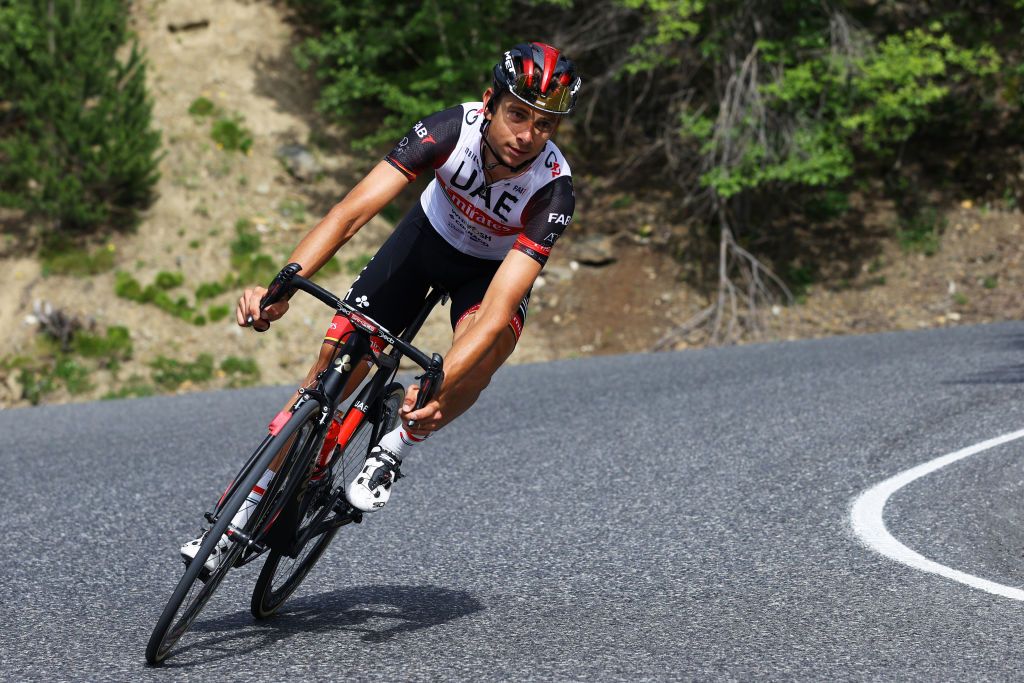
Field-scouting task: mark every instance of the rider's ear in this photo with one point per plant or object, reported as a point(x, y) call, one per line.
point(489, 103)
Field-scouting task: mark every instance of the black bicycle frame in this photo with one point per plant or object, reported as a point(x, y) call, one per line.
point(331, 383)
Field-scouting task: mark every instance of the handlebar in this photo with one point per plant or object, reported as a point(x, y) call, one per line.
point(289, 280)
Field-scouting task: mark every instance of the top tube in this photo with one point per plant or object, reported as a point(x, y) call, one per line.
point(288, 280)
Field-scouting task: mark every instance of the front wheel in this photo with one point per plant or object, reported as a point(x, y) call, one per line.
point(282, 574)
point(196, 587)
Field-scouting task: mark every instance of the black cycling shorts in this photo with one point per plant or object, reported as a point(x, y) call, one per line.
point(392, 286)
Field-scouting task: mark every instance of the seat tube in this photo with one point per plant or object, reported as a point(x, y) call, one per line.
point(356, 347)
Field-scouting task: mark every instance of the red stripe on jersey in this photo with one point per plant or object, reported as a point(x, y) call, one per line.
point(530, 244)
point(550, 60)
point(258, 490)
point(394, 162)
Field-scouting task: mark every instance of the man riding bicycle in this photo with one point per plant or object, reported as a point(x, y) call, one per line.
point(483, 228)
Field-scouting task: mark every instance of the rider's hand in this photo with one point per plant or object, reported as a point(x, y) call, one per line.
point(425, 420)
point(248, 310)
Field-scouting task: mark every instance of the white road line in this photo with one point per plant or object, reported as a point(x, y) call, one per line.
point(869, 525)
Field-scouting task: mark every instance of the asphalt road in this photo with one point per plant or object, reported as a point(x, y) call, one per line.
point(673, 516)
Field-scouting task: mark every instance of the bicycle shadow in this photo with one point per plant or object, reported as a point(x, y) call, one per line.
point(380, 613)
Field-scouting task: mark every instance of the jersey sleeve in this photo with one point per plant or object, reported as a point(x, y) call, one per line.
point(545, 218)
point(428, 144)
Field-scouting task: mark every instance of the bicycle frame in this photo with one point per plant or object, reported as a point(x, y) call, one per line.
point(329, 387)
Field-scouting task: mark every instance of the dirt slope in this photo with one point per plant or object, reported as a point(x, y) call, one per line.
point(241, 62)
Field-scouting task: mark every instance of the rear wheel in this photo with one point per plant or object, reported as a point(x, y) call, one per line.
point(196, 586)
point(282, 574)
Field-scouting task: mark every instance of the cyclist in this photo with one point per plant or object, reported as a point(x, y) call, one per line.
point(501, 196)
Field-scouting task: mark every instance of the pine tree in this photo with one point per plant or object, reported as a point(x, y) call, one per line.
point(76, 143)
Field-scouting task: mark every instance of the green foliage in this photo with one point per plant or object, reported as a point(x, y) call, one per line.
point(200, 107)
point(242, 371)
point(35, 384)
point(75, 261)
point(76, 143)
point(135, 387)
point(210, 290)
point(250, 265)
point(990, 282)
point(357, 54)
point(672, 21)
point(922, 232)
point(127, 287)
point(218, 313)
point(169, 374)
point(230, 135)
point(74, 375)
point(166, 280)
point(116, 344)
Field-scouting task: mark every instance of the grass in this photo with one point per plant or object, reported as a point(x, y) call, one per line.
point(241, 371)
point(169, 374)
point(201, 107)
point(922, 232)
point(230, 135)
point(116, 344)
point(77, 262)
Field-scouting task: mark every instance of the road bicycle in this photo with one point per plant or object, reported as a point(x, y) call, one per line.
point(322, 447)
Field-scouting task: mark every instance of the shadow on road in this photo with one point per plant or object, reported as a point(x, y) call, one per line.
point(1006, 374)
point(379, 613)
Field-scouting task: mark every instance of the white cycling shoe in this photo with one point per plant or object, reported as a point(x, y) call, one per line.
point(371, 488)
point(189, 550)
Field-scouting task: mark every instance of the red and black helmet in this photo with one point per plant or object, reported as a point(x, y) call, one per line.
point(540, 76)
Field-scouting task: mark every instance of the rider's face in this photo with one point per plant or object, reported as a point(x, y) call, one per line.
point(518, 131)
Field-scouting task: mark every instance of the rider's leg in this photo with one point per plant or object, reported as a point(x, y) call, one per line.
point(371, 489)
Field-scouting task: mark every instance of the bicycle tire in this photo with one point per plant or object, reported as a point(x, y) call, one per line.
point(193, 591)
point(290, 572)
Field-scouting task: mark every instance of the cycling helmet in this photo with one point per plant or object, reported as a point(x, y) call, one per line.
point(540, 76)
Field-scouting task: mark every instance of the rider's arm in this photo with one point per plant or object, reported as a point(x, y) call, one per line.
point(373, 193)
point(344, 220)
point(510, 284)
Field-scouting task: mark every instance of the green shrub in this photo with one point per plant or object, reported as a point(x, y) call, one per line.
point(218, 313)
point(34, 385)
point(922, 232)
point(230, 135)
point(116, 344)
point(201, 107)
point(990, 282)
point(76, 261)
point(166, 280)
point(76, 145)
point(74, 375)
point(209, 290)
point(242, 371)
point(135, 388)
point(127, 287)
point(169, 373)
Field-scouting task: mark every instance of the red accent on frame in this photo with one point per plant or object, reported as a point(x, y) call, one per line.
point(279, 421)
point(258, 490)
point(224, 495)
point(550, 60)
point(353, 418)
point(340, 329)
point(530, 244)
